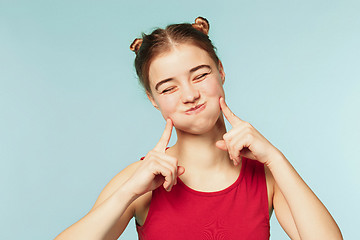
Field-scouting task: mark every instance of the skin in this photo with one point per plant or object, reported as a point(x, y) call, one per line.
point(193, 101)
point(183, 89)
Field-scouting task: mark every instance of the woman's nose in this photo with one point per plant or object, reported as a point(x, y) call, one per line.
point(190, 94)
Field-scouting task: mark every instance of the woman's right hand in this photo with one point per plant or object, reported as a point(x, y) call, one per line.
point(157, 168)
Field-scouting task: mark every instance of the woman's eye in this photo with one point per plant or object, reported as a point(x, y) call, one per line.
point(168, 90)
point(201, 76)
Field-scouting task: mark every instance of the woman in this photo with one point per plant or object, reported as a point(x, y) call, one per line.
point(211, 184)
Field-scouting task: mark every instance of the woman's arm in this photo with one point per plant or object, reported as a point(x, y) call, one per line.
point(110, 214)
point(117, 202)
point(294, 199)
point(298, 209)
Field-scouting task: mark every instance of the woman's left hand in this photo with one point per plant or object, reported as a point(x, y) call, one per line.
point(244, 140)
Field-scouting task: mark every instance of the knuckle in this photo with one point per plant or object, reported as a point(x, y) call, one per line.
point(152, 164)
point(226, 137)
point(248, 125)
point(250, 137)
point(174, 161)
point(231, 145)
point(169, 173)
point(151, 152)
point(152, 158)
point(174, 170)
point(238, 145)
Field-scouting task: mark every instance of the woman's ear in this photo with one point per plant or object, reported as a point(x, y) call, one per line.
point(222, 72)
point(152, 100)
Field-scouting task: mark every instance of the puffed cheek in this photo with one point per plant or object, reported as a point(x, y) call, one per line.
point(212, 87)
point(167, 110)
point(217, 91)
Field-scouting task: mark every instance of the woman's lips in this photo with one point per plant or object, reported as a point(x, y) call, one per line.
point(196, 109)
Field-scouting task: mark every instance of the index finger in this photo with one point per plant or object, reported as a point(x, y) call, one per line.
point(230, 116)
point(165, 138)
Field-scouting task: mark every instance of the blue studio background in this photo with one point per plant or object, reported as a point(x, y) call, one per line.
point(72, 114)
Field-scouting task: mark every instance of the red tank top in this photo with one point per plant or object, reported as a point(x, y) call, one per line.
point(238, 212)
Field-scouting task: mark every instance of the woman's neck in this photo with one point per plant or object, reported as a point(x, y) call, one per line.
point(199, 151)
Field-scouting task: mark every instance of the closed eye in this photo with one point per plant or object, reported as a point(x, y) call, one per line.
point(201, 76)
point(168, 90)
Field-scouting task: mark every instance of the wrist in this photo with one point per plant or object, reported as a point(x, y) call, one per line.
point(275, 158)
point(127, 191)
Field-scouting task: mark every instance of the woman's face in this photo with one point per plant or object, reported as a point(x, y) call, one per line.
point(186, 85)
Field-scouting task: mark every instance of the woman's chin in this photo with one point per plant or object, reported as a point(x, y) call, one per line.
point(196, 128)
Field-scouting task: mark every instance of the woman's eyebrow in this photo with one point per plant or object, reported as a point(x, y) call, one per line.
point(194, 69)
point(162, 82)
point(199, 67)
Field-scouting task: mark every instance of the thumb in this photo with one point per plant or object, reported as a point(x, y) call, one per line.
point(181, 170)
point(221, 145)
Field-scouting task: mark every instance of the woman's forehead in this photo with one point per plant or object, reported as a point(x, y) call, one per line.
point(178, 61)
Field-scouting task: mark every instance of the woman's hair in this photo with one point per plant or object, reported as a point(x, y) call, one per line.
point(163, 40)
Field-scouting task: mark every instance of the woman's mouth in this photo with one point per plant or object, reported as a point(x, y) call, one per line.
point(196, 109)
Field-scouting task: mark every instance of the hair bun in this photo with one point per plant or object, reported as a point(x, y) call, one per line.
point(136, 44)
point(201, 24)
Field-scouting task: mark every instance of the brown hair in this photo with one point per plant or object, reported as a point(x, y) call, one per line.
point(162, 40)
